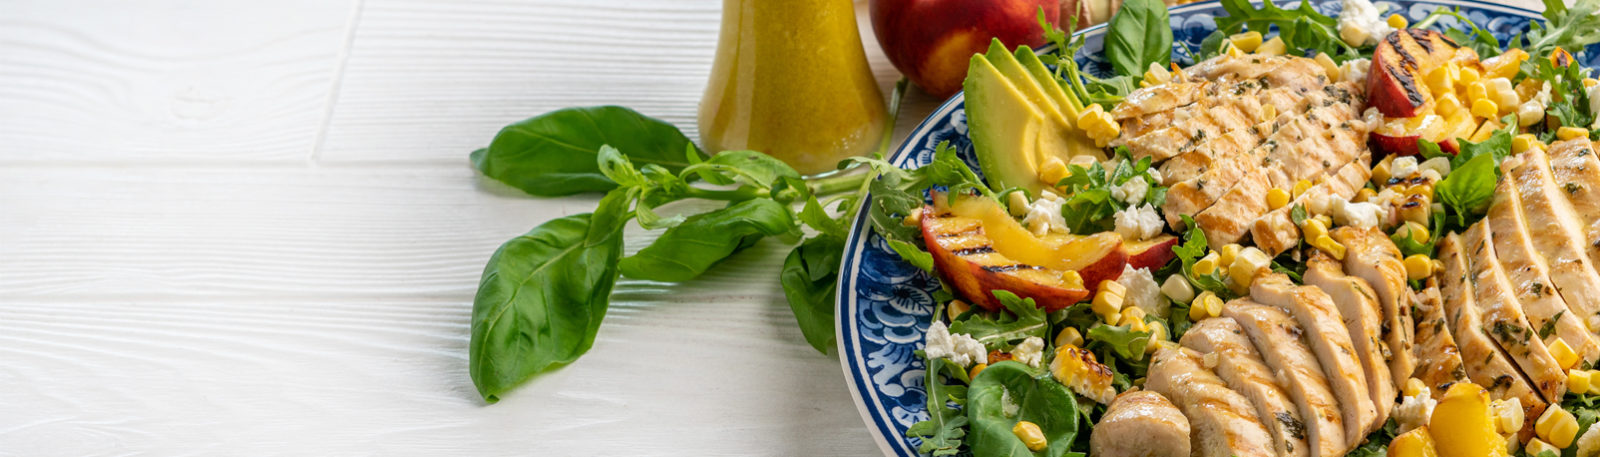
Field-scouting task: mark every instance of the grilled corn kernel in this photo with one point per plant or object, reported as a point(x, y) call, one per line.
point(1205, 305)
point(1381, 173)
point(1069, 337)
point(1213, 305)
point(1157, 74)
point(1017, 203)
point(1158, 335)
point(1053, 170)
point(1363, 195)
point(1328, 67)
point(1468, 76)
point(1442, 79)
point(1277, 198)
point(1537, 446)
point(1130, 315)
point(1247, 41)
point(1228, 252)
point(1553, 419)
point(1197, 311)
point(1503, 94)
point(1417, 232)
point(1578, 381)
point(1103, 129)
point(1245, 265)
point(1413, 387)
point(1418, 267)
point(1523, 142)
point(1560, 57)
point(1207, 265)
point(1485, 108)
point(1031, 435)
point(1177, 289)
point(1447, 104)
point(1108, 301)
point(1477, 91)
point(1397, 21)
point(1508, 415)
point(1273, 47)
point(1329, 246)
point(1300, 188)
point(1313, 229)
point(977, 368)
point(1269, 112)
point(956, 309)
point(1567, 133)
point(1563, 354)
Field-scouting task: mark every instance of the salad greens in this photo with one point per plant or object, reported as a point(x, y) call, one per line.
point(946, 428)
point(554, 154)
point(1139, 35)
point(1302, 29)
point(1090, 206)
point(1009, 392)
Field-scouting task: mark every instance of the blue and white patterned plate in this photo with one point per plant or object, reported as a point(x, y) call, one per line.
point(885, 304)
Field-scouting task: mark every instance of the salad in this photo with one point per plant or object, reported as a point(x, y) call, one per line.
point(1316, 235)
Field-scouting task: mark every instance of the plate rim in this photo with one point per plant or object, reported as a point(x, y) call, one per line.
point(845, 298)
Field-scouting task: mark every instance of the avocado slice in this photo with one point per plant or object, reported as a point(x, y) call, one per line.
point(1026, 84)
point(1011, 134)
point(1030, 60)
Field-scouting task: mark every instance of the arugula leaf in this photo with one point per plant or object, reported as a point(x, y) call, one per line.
point(1377, 444)
point(1479, 40)
point(555, 153)
point(543, 295)
point(1193, 248)
point(810, 277)
point(689, 249)
point(1122, 339)
point(1139, 35)
point(1569, 99)
point(1039, 399)
point(1302, 29)
point(913, 255)
point(1567, 28)
point(1023, 319)
point(1089, 206)
point(943, 432)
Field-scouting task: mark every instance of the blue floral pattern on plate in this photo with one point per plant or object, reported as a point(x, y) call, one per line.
point(885, 304)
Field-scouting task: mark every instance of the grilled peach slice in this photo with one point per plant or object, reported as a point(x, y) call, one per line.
point(1399, 136)
point(969, 261)
point(1153, 253)
point(1394, 85)
point(1095, 257)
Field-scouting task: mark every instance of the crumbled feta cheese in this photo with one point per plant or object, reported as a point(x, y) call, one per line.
point(1362, 24)
point(1415, 410)
point(1044, 215)
point(959, 348)
point(1155, 175)
point(1143, 291)
point(1138, 223)
point(1355, 70)
point(1440, 165)
point(1358, 215)
point(1589, 443)
point(1131, 192)
point(1403, 167)
point(1029, 352)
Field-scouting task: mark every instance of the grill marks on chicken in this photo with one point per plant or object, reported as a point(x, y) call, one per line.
point(1486, 364)
point(1371, 256)
point(1438, 358)
point(1240, 366)
point(1548, 211)
point(1358, 308)
point(1222, 422)
point(1162, 429)
point(1529, 276)
point(1576, 170)
point(1504, 320)
point(1279, 339)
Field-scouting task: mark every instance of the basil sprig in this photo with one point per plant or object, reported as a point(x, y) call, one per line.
point(1139, 34)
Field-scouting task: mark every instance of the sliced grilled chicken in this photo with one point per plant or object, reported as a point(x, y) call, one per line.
point(1330, 341)
point(1438, 358)
point(1486, 364)
point(1549, 213)
point(1227, 220)
point(1504, 319)
point(1279, 340)
point(1192, 126)
point(1371, 256)
point(1240, 366)
point(1162, 429)
point(1222, 422)
point(1576, 169)
point(1529, 276)
point(1276, 232)
point(1358, 309)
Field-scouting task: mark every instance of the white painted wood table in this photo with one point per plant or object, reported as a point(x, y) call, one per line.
point(247, 227)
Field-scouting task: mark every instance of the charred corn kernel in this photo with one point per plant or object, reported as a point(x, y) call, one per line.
point(1560, 57)
point(1537, 446)
point(1017, 203)
point(912, 219)
point(1418, 267)
point(1477, 91)
point(1468, 76)
point(1413, 387)
point(1079, 371)
point(1578, 381)
point(1313, 229)
point(1131, 315)
point(1447, 104)
point(1442, 79)
point(1415, 443)
point(1228, 252)
point(978, 368)
point(1508, 415)
point(1300, 188)
point(1157, 74)
point(1030, 435)
point(1328, 66)
point(1521, 143)
point(1415, 231)
point(1177, 289)
point(1550, 422)
point(1381, 173)
point(1108, 300)
point(1567, 133)
point(1247, 41)
point(1277, 198)
point(1485, 108)
point(1273, 47)
point(1397, 21)
point(1269, 112)
point(1053, 170)
point(1363, 195)
point(1329, 246)
point(1069, 337)
point(956, 308)
point(1207, 265)
point(1563, 353)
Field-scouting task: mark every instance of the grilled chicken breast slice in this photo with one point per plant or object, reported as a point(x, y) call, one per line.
point(1189, 131)
point(1504, 319)
point(1241, 367)
point(1438, 358)
point(1222, 422)
point(1550, 213)
point(1576, 169)
point(1530, 278)
point(1371, 256)
point(1486, 364)
point(1162, 429)
point(1330, 342)
point(1358, 310)
point(1278, 338)
point(1276, 231)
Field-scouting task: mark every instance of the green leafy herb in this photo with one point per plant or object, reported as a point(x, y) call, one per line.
point(1469, 188)
point(1567, 28)
point(689, 249)
point(1126, 342)
point(913, 255)
point(810, 278)
point(1139, 35)
point(1082, 87)
point(1023, 319)
point(543, 295)
point(946, 427)
point(1479, 40)
point(1377, 444)
point(1089, 206)
point(1302, 29)
point(1038, 399)
point(1193, 248)
point(555, 153)
point(1569, 99)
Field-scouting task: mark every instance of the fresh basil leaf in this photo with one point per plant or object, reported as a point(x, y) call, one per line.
point(1469, 189)
point(1038, 399)
point(617, 168)
point(1022, 319)
point(946, 425)
point(542, 297)
point(1139, 34)
point(810, 276)
point(555, 153)
point(751, 167)
point(685, 251)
